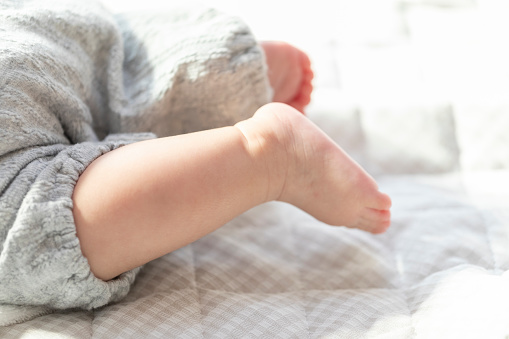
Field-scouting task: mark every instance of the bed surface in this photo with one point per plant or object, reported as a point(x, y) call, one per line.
point(425, 109)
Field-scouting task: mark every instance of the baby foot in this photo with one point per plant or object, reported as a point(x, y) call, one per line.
point(290, 74)
point(311, 172)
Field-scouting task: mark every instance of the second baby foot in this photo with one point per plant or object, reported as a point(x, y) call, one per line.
point(290, 74)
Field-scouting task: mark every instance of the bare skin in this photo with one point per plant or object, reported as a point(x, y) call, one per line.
point(316, 174)
point(159, 195)
point(290, 74)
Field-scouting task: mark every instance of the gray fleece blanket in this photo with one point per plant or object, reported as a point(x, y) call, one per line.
point(77, 82)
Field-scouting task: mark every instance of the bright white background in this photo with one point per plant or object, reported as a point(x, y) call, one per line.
point(452, 50)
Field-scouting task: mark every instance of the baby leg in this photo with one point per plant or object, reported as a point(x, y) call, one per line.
point(144, 200)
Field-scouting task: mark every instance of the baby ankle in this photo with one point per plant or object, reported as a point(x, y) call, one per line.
point(267, 152)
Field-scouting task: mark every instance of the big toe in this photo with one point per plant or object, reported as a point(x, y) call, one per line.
point(380, 201)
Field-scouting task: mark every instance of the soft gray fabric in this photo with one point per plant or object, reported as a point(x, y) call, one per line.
point(73, 78)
